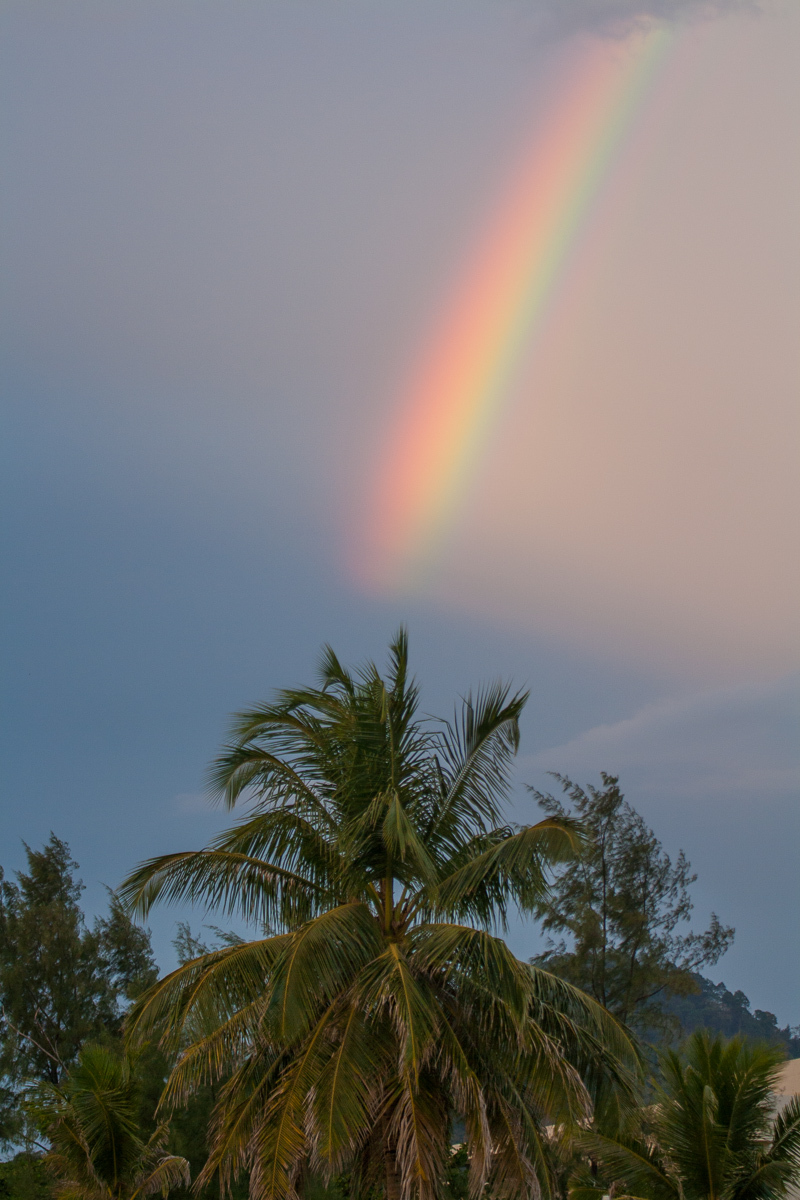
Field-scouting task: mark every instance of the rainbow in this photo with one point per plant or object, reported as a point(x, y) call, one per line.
point(458, 389)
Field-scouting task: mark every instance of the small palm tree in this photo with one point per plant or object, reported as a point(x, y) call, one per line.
point(713, 1133)
point(378, 1007)
point(97, 1151)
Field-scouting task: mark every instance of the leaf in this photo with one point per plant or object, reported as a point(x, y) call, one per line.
point(317, 963)
point(500, 867)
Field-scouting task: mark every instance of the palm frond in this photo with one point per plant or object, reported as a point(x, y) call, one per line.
point(390, 984)
point(208, 990)
point(96, 1145)
point(317, 962)
point(238, 1115)
point(455, 954)
point(169, 1172)
point(419, 1137)
point(280, 1143)
point(513, 1173)
point(235, 884)
point(405, 844)
point(565, 1011)
point(777, 1168)
point(344, 1097)
point(504, 867)
point(477, 749)
point(466, 1087)
point(633, 1164)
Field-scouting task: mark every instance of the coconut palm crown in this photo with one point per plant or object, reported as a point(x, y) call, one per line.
point(97, 1151)
point(378, 1006)
point(714, 1132)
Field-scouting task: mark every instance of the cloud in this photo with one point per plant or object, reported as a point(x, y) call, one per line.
point(731, 741)
point(192, 802)
point(617, 18)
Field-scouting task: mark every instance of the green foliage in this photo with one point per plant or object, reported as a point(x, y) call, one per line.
point(25, 1177)
point(97, 1148)
point(60, 981)
point(124, 954)
point(619, 907)
point(456, 1177)
point(377, 1007)
point(712, 1133)
point(188, 1125)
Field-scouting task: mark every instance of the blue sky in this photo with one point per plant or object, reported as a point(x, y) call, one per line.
point(224, 228)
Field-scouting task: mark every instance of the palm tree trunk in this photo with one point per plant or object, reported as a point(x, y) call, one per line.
point(393, 1190)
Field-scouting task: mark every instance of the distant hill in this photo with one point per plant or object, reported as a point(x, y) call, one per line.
point(728, 1013)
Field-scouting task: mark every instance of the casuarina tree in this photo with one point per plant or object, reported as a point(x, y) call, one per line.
point(61, 981)
point(617, 914)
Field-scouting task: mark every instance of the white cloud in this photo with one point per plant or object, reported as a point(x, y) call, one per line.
point(730, 740)
point(192, 802)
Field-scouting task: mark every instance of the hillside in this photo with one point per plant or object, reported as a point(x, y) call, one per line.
point(716, 1008)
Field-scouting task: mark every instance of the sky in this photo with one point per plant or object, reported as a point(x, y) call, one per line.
point(233, 236)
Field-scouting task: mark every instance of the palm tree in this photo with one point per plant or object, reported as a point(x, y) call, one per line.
point(713, 1133)
point(97, 1151)
point(378, 1006)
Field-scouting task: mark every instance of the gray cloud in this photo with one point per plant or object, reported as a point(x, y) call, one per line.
point(731, 740)
point(617, 18)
